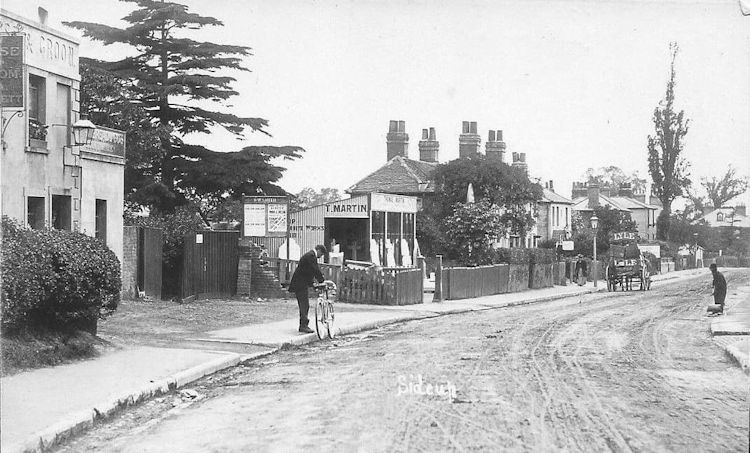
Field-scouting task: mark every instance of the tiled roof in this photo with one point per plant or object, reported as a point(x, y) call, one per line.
point(398, 175)
point(549, 196)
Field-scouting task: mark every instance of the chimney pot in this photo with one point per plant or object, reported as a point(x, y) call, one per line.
point(551, 187)
point(473, 127)
point(402, 126)
point(432, 134)
point(393, 126)
point(465, 127)
point(499, 136)
point(491, 137)
point(43, 15)
point(425, 134)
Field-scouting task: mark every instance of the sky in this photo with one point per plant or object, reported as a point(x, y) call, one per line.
point(571, 83)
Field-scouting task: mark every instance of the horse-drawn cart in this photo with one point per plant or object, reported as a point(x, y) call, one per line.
point(626, 265)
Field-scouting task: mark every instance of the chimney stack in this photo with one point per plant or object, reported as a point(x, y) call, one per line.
point(740, 209)
point(428, 146)
point(551, 186)
point(397, 140)
point(519, 161)
point(468, 141)
point(626, 190)
point(580, 189)
point(593, 191)
point(495, 146)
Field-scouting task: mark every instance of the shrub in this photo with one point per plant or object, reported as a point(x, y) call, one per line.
point(56, 280)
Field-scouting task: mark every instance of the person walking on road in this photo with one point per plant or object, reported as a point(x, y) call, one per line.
point(720, 287)
point(304, 276)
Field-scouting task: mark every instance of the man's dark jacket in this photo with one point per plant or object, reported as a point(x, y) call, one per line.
point(307, 270)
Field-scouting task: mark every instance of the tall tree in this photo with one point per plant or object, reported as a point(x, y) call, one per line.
point(310, 197)
point(174, 79)
point(669, 171)
point(612, 177)
point(725, 189)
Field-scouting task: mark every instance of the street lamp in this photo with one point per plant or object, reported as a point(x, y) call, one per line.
point(594, 226)
point(83, 132)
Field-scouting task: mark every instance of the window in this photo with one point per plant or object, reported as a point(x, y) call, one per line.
point(62, 113)
point(37, 112)
point(720, 217)
point(61, 212)
point(101, 220)
point(35, 213)
point(567, 218)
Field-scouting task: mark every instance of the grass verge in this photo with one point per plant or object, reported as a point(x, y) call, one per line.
point(29, 350)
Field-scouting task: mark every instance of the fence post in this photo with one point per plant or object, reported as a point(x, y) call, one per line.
point(421, 264)
point(438, 279)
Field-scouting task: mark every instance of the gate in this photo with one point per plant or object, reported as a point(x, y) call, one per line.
point(149, 261)
point(209, 266)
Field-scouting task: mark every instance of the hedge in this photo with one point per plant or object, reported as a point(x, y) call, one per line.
point(55, 280)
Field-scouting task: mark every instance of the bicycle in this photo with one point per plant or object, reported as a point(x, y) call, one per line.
point(324, 314)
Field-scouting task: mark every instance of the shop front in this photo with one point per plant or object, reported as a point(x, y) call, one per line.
point(375, 227)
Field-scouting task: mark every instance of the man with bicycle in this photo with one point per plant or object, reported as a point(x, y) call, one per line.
point(304, 276)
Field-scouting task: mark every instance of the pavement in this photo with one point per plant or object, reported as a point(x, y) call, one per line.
point(732, 329)
point(41, 407)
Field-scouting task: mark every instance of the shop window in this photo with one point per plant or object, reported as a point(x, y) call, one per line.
point(101, 220)
point(37, 117)
point(378, 235)
point(393, 239)
point(409, 232)
point(61, 212)
point(35, 212)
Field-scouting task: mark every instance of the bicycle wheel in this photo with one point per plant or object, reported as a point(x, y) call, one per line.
point(320, 319)
point(330, 317)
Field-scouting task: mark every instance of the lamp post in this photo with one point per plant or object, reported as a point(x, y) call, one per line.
point(594, 226)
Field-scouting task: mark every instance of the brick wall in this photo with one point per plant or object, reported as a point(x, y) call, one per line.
point(129, 261)
point(252, 278)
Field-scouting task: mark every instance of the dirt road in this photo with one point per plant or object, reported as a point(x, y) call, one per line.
point(605, 372)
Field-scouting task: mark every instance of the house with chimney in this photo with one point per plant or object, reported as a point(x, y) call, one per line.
point(404, 176)
point(589, 196)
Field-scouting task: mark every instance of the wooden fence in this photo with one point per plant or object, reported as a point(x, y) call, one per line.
point(386, 286)
point(467, 282)
point(357, 284)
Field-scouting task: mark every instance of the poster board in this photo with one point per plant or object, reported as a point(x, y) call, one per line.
point(265, 216)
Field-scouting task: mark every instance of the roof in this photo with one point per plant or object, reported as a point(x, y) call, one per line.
point(729, 218)
point(549, 196)
point(398, 175)
point(624, 204)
